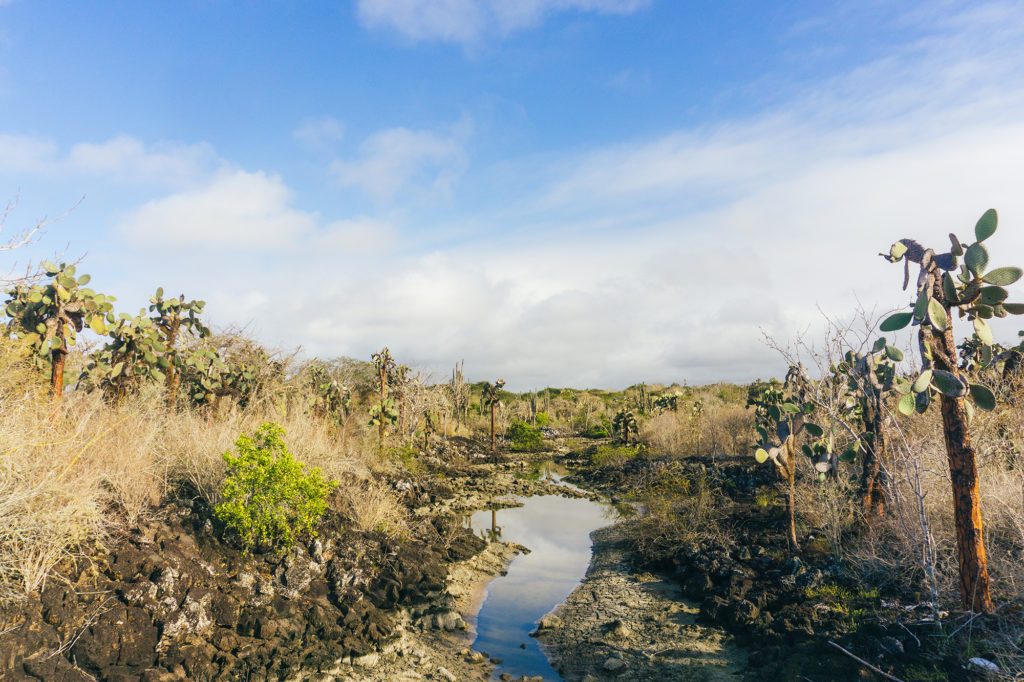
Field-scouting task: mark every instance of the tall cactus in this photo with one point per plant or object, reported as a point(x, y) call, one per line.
point(625, 423)
point(133, 356)
point(383, 413)
point(780, 416)
point(173, 318)
point(491, 397)
point(976, 293)
point(870, 378)
point(50, 315)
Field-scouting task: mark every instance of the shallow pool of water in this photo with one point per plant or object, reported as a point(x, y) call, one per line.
point(557, 531)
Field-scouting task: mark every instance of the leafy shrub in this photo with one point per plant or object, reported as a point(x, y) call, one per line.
point(269, 499)
point(524, 437)
point(543, 419)
point(614, 456)
point(602, 429)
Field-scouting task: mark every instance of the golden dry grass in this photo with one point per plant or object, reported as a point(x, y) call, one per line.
point(77, 473)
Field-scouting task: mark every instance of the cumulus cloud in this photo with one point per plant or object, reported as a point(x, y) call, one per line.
point(395, 159)
point(467, 21)
point(236, 209)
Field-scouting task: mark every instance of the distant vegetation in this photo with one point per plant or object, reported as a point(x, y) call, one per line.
point(867, 439)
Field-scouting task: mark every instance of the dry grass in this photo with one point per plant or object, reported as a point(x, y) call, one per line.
point(77, 473)
point(722, 429)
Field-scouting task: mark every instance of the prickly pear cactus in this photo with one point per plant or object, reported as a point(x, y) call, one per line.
point(50, 315)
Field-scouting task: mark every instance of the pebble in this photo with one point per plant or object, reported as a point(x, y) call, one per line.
point(445, 674)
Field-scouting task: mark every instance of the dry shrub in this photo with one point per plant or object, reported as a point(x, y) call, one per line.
point(722, 429)
point(373, 506)
point(89, 467)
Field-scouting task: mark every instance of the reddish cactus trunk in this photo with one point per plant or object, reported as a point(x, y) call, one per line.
point(963, 470)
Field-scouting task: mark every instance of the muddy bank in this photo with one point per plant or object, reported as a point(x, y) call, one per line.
point(623, 625)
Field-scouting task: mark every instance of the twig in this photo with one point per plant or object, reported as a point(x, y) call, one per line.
point(910, 633)
point(969, 621)
point(865, 663)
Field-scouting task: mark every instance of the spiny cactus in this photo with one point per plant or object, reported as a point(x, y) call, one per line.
point(625, 423)
point(174, 318)
point(960, 280)
point(781, 414)
point(50, 315)
point(134, 356)
point(491, 398)
point(331, 398)
point(384, 412)
point(870, 378)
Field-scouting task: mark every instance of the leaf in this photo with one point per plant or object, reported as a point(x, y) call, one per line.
point(976, 259)
point(760, 455)
point(806, 449)
point(955, 247)
point(986, 225)
point(983, 397)
point(879, 345)
point(1014, 308)
point(896, 321)
point(814, 429)
point(1003, 276)
point(983, 331)
point(906, 404)
point(894, 353)
point(849, 455)
point(50, 267)
point(948, 288)
point(937, 315)
point(993, 295)
point(923, 381)
point(897, 250)
point(98, 325)
point(790, 408)
point(948, 384)
point(921, 307)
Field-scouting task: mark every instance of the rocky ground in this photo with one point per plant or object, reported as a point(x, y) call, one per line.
point(622, 625)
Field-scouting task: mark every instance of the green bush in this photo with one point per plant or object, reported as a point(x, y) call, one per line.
point(602, 429)
point(613, 456)
point(269, 500)
point(543, 419)
point(524, 437)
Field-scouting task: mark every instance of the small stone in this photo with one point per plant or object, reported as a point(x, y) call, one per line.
point(987, 668)
point(445, 674)
point(614, 665)
point(366, 660)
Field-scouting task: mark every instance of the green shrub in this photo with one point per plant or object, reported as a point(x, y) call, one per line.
point(613, 456)
point(543, 419)
point(597, 431)
point(524, 437)
point(269, 500)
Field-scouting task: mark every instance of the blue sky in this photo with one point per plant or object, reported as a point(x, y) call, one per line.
point(578, 192)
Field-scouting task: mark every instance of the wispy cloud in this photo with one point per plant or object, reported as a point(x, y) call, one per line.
point(469, 21)
point(122, 159)
point(399, 158)
point(319, 132)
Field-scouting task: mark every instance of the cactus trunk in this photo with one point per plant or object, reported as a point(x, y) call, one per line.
point(872, 493)
point(58, 357)
point(963, 469)
point(493, 441)
point(790, 469)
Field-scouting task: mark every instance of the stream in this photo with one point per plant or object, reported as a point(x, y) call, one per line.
point(557, 531)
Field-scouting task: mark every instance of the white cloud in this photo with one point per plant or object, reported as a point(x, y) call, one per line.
point(235, 209)
point(318, 132)
point(122, 159)
point(468, 21)
point(398, 158)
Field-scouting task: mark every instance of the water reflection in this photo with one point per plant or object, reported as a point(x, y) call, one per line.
point(557, 531)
